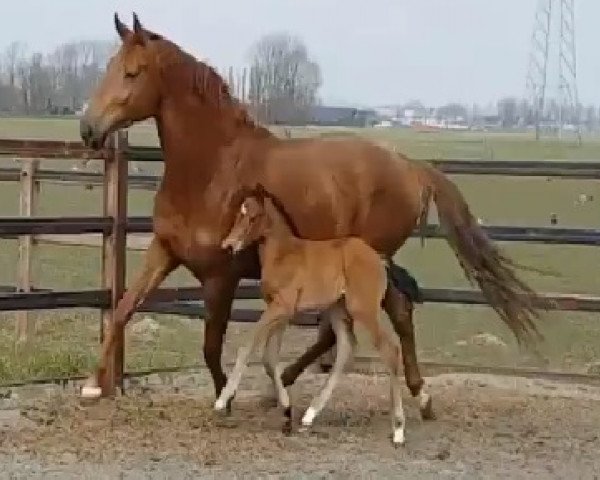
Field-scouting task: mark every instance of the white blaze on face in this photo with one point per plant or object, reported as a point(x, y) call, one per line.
point(244, 209)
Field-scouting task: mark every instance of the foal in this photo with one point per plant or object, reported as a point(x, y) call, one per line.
point(344, 277)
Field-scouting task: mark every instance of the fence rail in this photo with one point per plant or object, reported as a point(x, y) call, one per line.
point(10, 227)
point(114, 224)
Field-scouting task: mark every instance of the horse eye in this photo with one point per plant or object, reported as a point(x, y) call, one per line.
point(131, 74)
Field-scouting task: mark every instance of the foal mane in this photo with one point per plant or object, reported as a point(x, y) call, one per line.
point(260, 193)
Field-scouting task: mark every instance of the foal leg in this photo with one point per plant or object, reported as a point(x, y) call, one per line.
point(390, 354)
point(271, 359)
point(400, 309)
point(325, 341)
point(397, 413)
point(269, 320)
point(345, 346)
point(158, 263)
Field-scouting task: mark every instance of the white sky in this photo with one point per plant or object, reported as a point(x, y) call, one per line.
point(370, 51)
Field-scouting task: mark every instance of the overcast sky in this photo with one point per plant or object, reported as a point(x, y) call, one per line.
point(370, 51)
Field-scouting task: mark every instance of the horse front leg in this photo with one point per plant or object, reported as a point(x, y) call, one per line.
point(219, 294)
point(158, 263)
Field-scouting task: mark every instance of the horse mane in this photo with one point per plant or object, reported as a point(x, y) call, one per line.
point(202, 78)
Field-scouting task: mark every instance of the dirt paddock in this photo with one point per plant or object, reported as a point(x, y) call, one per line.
point(486, 427)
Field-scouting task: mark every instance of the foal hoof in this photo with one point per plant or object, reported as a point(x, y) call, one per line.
point(288, 420)
point(426, 408)
point(307, 419)
point(223, 407)
point(398, 439)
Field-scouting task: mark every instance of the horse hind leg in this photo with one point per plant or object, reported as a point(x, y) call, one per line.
point(400, 309)
point(325, 341)
point(345, 346)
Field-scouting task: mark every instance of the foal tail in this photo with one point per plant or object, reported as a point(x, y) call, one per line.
point(482, 262)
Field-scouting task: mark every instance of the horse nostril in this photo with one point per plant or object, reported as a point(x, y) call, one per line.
point(85, 131)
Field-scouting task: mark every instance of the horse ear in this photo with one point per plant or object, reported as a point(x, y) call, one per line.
point(121, 28)
point(138, 30)
point(137, 25)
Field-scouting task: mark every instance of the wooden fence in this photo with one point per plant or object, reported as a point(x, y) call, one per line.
point(114, 225)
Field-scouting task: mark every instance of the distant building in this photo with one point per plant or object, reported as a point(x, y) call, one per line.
point(323, 115)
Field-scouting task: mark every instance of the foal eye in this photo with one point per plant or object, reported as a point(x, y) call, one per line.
point(131, 75)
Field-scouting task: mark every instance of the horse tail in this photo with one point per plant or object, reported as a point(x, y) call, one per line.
point(481, 260)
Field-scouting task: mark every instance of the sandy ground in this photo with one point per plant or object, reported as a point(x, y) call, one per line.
point(486, 427)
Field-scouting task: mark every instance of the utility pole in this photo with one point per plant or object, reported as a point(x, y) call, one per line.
point(543, 41)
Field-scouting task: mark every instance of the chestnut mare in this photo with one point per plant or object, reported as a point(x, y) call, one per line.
point(330, 189)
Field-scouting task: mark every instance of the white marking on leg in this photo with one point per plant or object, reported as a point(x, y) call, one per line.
point(344, 353)
point(397, 413)
point(399, 436)
point(309, 416)
point(282, 394)
point(262, 330)
point(90, 388)
point(91, 392)
point(424, 398)
point(234, 379)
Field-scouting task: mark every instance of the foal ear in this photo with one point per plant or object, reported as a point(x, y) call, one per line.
point(260, 192)
point(121, 28)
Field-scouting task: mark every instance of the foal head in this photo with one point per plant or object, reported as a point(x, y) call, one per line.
point(257, 218)
point(251, 222)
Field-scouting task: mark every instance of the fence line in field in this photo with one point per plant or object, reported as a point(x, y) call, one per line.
point(114, 225)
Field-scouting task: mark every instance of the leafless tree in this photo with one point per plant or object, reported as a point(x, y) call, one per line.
point(54, 83)
point(284, 81)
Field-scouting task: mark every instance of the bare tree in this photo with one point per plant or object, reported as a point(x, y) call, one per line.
point(13, 56)
point(508, 111)
point(284, 81)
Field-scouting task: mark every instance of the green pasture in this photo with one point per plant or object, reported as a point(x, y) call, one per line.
point(66, 340)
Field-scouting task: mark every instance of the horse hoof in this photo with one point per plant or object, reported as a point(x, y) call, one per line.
point(426, 408)
point(90, 392)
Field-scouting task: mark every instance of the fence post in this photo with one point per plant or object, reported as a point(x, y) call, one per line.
point(27, 208)
point(114, 243)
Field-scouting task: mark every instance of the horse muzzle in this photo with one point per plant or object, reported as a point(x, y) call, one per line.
point(92, 136)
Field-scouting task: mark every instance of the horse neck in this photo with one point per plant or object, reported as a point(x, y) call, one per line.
point(192, 133)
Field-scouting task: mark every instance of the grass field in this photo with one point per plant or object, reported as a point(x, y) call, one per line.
point(66, 341)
